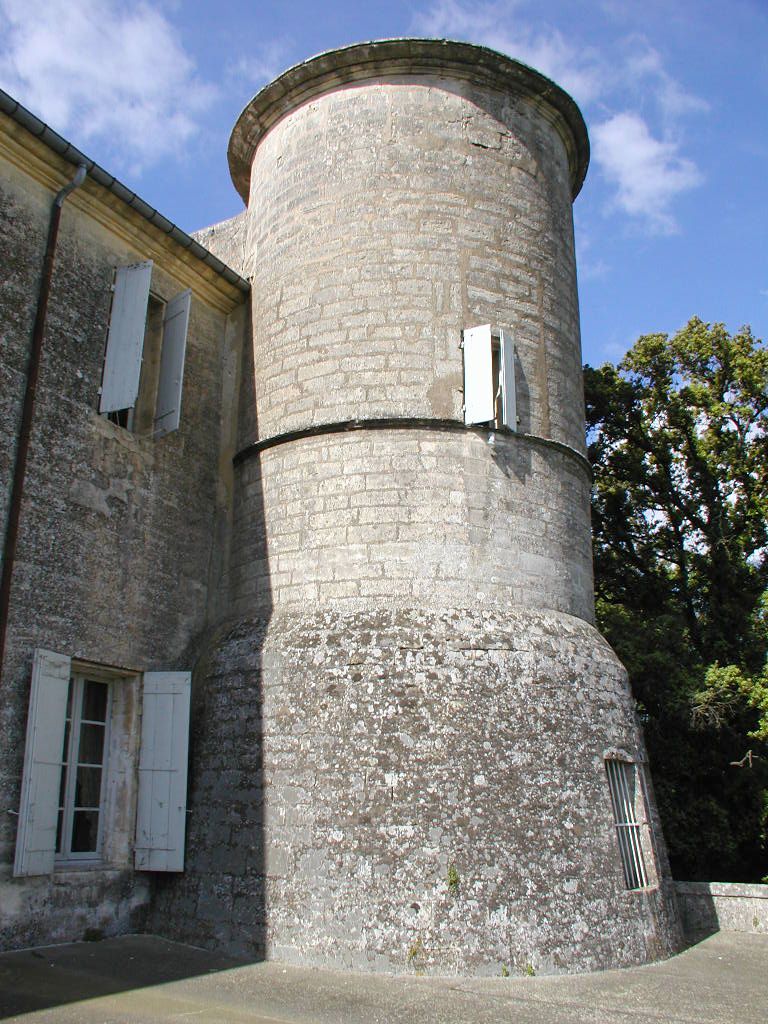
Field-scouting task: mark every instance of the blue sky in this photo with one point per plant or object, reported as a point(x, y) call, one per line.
point(672, 221)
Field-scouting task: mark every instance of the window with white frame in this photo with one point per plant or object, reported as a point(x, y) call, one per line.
point(628, 814)
point(94, 789)
point(143, 369)
point(489, 377)
point(85, 754)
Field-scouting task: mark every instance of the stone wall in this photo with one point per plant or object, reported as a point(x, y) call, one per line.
point(399, 740)
point(439, 517)
point(707, 907)
point(387, 219)
point(117, 539)
point(366, 794)
point(227, 241)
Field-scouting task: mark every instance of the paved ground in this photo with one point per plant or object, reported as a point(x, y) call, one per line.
point(144, 980)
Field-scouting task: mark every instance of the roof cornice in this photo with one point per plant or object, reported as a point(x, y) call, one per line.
point(389, 58)
point(44, 154)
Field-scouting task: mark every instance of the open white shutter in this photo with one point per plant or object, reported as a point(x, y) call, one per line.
point(168, 407)
point(478, 375)
point(38, 808)
point(162, 803)
point(507, 373)
point(127, 323)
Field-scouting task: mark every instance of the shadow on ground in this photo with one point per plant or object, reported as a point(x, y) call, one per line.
point(37, 979)
point(145, 980)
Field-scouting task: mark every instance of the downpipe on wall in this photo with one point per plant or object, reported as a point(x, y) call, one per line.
point(28, 408)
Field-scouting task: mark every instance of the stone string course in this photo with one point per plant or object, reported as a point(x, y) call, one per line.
point(410, 516)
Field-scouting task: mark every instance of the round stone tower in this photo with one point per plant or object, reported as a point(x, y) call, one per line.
point(416, 751)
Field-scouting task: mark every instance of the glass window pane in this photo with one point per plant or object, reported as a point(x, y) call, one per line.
point(62, 785)
point(88, 787)
point(91, 744)
point(59, 830)
point(69, 697)
point(95, 701)
point(65, 744)
point(85, 831)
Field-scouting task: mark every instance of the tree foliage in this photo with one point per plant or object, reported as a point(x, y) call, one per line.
point(678, 437)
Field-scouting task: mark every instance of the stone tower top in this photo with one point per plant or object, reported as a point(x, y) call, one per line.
point(397, 58)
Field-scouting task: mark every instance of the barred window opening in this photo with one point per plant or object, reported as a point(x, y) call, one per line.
point(623, 786)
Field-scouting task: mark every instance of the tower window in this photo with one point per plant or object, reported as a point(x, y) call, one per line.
point(626, 798)
point(489, 377)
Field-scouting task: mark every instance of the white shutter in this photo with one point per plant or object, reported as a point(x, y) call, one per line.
point(162, 803)
point(38, 808)
point(127, 323)
point(507, 374)
point(168, 407)
point(478, 375)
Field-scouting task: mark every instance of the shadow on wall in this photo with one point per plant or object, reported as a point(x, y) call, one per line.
point(698, 918)
point(709, 907)
point(220, 899)
point(516, 460)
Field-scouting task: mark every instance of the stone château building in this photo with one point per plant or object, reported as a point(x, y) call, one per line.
point(310, 491)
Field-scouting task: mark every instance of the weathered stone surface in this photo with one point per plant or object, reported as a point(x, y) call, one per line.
point(117, 531)
point(411, 516)
point(401, 709)
point(399, 742)
point(380, 223)
point(707, 907)
point(413, 788)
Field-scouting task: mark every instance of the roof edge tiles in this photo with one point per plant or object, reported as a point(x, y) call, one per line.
point(64, 149)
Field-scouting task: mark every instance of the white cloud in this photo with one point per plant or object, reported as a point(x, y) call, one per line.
point(647, 173)
point(576, 68)
point(644, 70)
point(261, 65)
point(591, 267)
point(103, 70)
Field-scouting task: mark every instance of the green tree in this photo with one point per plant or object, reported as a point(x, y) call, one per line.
point(678, 438)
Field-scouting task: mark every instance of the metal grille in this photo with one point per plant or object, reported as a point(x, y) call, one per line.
point(622, 782)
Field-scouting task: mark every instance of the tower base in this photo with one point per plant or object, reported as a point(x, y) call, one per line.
point(396, 790)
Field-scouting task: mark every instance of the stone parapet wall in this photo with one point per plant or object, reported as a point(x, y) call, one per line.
point(707, 907)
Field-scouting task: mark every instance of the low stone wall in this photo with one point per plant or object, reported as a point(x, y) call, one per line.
point(707, 907)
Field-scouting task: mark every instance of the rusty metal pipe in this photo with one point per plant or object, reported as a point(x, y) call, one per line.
point(28, 408)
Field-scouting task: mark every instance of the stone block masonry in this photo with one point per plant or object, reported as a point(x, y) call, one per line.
point(410, 749)
point(117, 530)
point(707, 907)
point(401, 731)
point(417, 515)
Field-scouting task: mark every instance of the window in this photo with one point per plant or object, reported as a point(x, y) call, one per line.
point(83, 770)
point(489, 377)
point(144, 359)
point(96, 789)
point(626, 798)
